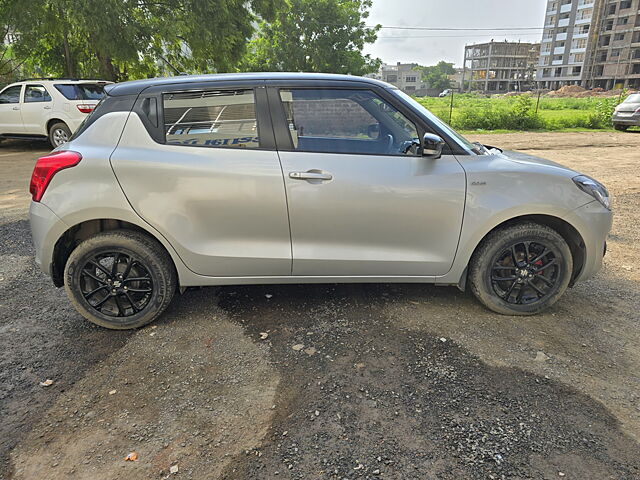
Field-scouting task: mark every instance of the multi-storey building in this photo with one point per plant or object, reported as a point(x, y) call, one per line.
point(592, 43)
point(500, 67)
point(406, 76)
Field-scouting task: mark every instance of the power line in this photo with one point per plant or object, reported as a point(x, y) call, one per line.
point(470, 29)
point(453, 36)
point(436, 29)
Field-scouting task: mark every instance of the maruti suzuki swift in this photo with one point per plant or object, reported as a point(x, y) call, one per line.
point(299, 178)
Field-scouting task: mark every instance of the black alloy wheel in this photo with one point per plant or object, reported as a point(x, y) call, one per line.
point(520, 269)
point(116, 284)
point(120, 279)
point(525, 272)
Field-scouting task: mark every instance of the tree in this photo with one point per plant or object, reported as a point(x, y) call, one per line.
point(436, 76)
point(8, 66)
point(316, 36)
point(118, 39)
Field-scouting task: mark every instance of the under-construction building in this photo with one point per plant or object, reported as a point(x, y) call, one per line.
point(500, 67)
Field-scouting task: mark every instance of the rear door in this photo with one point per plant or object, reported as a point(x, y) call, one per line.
point(10, 110)
point(198, 162)
point(36, 105)
point(362, 201)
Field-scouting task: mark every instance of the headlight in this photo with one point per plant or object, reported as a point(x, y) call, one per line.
point(594, 188)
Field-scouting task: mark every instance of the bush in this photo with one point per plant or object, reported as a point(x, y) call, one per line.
point(601, 117)
point(515, 114)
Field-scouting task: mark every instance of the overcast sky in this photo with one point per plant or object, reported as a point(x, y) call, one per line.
point(429, 47)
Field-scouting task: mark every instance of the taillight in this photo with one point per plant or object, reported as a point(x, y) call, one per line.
point(46, 167)
point(86, 108)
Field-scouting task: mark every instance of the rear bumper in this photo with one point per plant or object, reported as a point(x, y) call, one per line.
point(46, 229)
point(593, 222)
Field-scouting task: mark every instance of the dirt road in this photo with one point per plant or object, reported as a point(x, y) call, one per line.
point(385, 381)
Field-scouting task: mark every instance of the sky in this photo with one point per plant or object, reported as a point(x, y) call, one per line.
point(429, 47)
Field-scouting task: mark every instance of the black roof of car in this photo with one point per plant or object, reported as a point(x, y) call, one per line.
point(137, 86)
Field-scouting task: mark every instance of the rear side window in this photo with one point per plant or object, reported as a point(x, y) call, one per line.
point(11, 95)
point(211, 118)
point(81, 91)
point(36, 93)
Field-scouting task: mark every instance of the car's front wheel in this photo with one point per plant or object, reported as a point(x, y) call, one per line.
point(59, 133)
point(521, 269)
point(120, 279)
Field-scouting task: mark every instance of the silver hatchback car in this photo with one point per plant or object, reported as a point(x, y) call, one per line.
point(627, 114)
point(299, 178)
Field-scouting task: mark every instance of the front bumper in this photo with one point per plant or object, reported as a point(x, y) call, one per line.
point(631, 120)
point(593, 222)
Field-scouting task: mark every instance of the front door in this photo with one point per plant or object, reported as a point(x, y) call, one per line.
point(211, 183)
point(362, 201)
point(10, 115)
point(37, 102)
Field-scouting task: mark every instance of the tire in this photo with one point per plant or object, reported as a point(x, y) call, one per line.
point(59, 133)
point(514, 294)
point(137, 302)
point(621, 128)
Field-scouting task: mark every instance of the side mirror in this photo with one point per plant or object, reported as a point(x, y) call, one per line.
point(373, 130)
point(432, 146)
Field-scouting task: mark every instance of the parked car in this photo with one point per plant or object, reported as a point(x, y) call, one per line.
point(47, 108)
point(299, 178)
point(445, 93)
point(627, 114)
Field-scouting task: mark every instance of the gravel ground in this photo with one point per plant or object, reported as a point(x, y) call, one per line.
point(351, 381)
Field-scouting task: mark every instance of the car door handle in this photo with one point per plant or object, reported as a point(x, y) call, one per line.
point(311, 175)
point(47, 108)
point(16, 108)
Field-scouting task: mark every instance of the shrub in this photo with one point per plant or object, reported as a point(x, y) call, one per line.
point(517, 114)
point(601, 117)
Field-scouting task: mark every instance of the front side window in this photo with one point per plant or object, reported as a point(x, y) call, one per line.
point(213, 118)
point(36, 93)
point(11, 95)
point(347, 121)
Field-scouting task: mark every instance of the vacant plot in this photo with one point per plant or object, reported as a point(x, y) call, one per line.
point(523, 112)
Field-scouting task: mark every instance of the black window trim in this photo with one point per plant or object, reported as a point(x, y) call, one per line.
point(283, 136)
point(263, 119)
point(27, 85)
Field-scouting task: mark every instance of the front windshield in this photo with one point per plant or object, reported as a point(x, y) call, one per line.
point(466, 144)
point(635, 98)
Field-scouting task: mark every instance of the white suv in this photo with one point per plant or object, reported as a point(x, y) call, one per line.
point(51, 108)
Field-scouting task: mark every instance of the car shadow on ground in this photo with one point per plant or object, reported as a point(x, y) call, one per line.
point(23, 145)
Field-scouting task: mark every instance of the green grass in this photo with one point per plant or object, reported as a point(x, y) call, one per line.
point(473, 113)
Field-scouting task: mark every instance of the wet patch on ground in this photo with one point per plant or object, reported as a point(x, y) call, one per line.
point(365, 397)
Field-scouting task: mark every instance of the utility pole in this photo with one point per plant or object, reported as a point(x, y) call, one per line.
point(486, 78)
point(464, 69)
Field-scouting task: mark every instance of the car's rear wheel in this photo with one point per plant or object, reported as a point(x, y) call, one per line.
point(621, 128)
point(59, 133)
point(120, 279)
point(521, 269)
